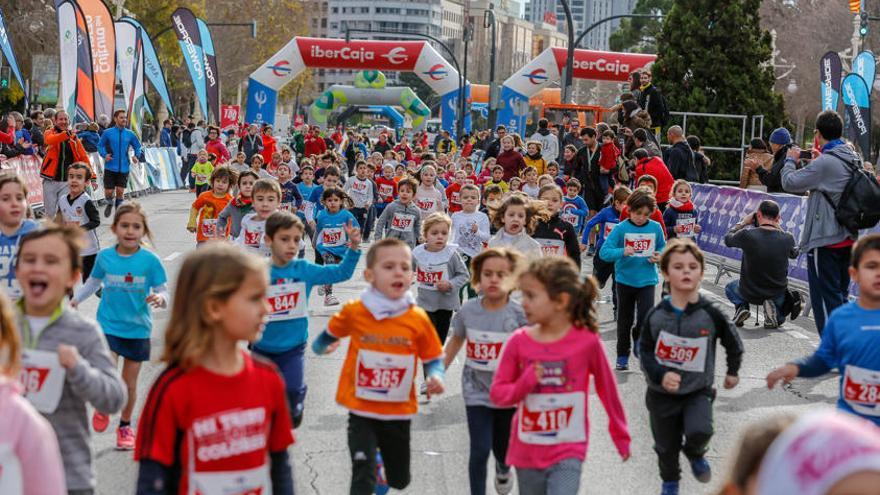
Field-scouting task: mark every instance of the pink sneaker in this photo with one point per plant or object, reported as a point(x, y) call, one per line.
point(125, 438)
point(100, 421)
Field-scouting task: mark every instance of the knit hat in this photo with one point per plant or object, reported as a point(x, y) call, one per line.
point(817, 451)
point(780, 136)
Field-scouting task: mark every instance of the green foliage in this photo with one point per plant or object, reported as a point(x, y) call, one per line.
point(639, 35)
point(713, 58)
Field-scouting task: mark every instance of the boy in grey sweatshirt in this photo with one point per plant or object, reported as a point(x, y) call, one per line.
point(401, 219)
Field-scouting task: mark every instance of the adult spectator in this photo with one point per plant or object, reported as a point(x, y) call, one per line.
point(165, 134)
point(509, 159)
point(757, 157)
point(62, 149)
point(466, 145)
point(445, 145)
point(38, 121)
point(22, 135)
point(587, 169)
point(766, 249)
point(103, 123)
point(679, 157)
point(215, 146)
point(382, 145)
point(701, 161)
point(270, 144)
point(653, 102)
point(549, 142)
point(251, 143)
point(826, 242)
point(780, 144)
point(645, 140)
point(89, 137)
point(654, 166)
point(115, 143)
point(626, 110)
point(494, 148)
point(404, 147)
point(190, 154)
point(314, 144)
point(299, 140)
point(573, 136)
point(8, 147)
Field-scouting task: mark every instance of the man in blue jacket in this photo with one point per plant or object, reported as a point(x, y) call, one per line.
point(115, 143)
point(165, 134)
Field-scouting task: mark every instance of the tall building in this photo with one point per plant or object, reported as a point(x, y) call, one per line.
point(584, 13)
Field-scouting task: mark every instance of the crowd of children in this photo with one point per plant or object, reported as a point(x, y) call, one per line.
point(497, 271)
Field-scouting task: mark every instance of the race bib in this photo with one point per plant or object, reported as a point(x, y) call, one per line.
point(359, 186)
point(42, 379)
point(402, 222)
point(308, 209)
point(552, 247)
point(333, 237)
point(201, 178)
point(683, 353)
point(288, 301)
point(569, 217)
point(608, 228)
point(484, 349)
point(286, 207)
point(861, 390)
point(386, 190)
point(551, 419)
point(245, 482)
point(252, 237)
point(428, 276)
point(642, 244)
point(426, 204)
point(684, 227)
point(384, 377)
point(456, 197)
point(209, 227)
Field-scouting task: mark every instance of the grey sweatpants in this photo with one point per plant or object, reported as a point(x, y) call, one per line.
point(53, 191)
point(562, 478)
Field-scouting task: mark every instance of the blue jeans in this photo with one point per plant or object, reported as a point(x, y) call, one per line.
point(489, 430)
point(291, 364)
point(828, 275)
point(731, 290)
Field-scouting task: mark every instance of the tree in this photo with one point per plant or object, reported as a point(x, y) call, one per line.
point(713, 57)
point(422, 90)
point(640, 35)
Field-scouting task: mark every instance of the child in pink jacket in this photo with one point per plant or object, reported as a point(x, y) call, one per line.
point(545, 372)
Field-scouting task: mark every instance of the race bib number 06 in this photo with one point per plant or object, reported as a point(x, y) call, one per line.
point(42, 379)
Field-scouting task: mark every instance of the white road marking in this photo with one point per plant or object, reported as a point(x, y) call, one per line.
point(173, 256)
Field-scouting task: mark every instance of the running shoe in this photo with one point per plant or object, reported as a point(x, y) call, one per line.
point(320, 290)
point(591, 251)
point(797, 304)
point(100, 422)
point(742, 314)
point(701, 469)
point(125, 438)
point(503, 482)
point(622, 363)
point(330, 300)
point(108, 209)
point(669, 488)
point(770, 318)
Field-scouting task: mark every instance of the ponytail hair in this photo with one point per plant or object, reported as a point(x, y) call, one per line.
point(559, 275)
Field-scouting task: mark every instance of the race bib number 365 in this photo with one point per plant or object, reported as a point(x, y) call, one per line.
point(384, 377)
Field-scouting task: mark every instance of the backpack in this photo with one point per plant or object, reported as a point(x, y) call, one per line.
point(859, 205)
point(186, 137)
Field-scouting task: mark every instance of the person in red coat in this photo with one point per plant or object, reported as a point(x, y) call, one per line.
point(509, 159)
point(314, 144)
point(215, 145)
point(270, 145)
point(654, 166)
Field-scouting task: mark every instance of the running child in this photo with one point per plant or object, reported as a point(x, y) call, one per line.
point(208, 206)
point(515, 185)
point(229, 219)
point(66, 344)
point(291, 281)
point(290, 196)
point(401, 219)
point(553, 171)
point(574, 208)
point(650, 183)
point(533, 157)
point(678, 348)
point(471, 229)
point(545, 372)
point(680, 217)
point(530, 186)
point(482, 326)
point(266, 201)
point(257, 168)
point(634, 247)
point(498, 179)
point(332, 226)
point(556, 236)
point(360, 189)
point(605, 221)
point(387, 189)
point(307, 208)
point(429, 197)
point(77, 209)
point(453, 192)
point(201, 171)
point(440, 273)
point(332, 177)
point(13, 225)
point(515, 219)
point(132, 280)
point(389, 333)
point(850, 342)
point(32, 454)
point(214, 395)
point(239, 165)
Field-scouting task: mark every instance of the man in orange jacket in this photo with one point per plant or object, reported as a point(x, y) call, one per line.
point(63, 148)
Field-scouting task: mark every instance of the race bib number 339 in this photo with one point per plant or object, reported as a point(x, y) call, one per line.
point(642, 244)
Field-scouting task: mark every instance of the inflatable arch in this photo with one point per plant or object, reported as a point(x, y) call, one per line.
point(418, 57)
point(546, 69)
point(393, 115)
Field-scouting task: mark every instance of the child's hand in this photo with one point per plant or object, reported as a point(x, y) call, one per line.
point(730, 381)
point(655, 257)
point(786, 373)
point(332, 347)
point(354, 235)
point(582, 246)
point(671, 381)
point(444, 286)
point(156, 301)
point(191, 228)
point(474, 228)
point(539, 371)
point(68, 356)
point(697, 229)
point(434, 386)
point(629, 251)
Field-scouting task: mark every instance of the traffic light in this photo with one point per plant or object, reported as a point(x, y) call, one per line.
point(863, 24)
point(5, 73)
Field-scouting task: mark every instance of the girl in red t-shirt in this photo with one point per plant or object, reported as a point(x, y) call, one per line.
point(216, 420)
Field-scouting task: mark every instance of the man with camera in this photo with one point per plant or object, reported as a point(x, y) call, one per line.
point(827, 243)
point(766, 249)
point(63, 148)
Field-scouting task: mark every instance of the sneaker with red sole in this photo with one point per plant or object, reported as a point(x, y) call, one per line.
point(125, 438)
point(100, 421)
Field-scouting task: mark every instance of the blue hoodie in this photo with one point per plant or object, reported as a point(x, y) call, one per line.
point(606, 216)
point(116, 141)
point(634, 271)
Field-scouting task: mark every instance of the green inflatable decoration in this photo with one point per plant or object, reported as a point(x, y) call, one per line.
point(369, 79)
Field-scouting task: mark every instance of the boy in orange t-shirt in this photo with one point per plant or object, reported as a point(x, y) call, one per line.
point(208, 205)
point(389, 334)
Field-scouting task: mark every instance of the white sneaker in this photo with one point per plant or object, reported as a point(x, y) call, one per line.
point(320, 290)
point(504, 482)
point(330, 300)
point(770, 317)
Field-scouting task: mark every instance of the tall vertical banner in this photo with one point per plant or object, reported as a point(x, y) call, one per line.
point(67, 42)
point(187, 29)
point(102, 41)
point(138, 100)
point(830, 74)
point(77, 81)
point(152, 68)
point(858, 110)
point(212, 75)
point(131, 69)
point(8, 52)
point(865, 65)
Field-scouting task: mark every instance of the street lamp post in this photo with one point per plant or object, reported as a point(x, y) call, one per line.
point(489, 21)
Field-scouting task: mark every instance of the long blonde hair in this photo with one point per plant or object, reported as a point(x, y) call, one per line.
point(10, 344)
point(213, 272)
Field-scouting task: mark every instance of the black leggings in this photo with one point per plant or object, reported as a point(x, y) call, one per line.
point(441, 319)
point(88, 262)
point(391, 438)
point(631, 301)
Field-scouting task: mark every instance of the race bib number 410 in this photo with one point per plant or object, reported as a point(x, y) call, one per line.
point(551, 419)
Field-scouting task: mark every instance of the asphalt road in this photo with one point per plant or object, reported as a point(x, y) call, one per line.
point(439, 433)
